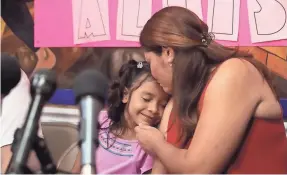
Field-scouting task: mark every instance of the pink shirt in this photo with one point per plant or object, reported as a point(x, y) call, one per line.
point(118, 156)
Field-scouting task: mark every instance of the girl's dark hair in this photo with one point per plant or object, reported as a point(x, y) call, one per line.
point(130, 78)
point(195, 54)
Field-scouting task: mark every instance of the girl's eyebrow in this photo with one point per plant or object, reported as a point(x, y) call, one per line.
point(148, 93)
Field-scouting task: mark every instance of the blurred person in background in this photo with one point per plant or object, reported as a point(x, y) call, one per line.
point(14, 109)
point(106, 60)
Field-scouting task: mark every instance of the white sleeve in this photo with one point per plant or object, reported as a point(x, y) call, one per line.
point(14, 110)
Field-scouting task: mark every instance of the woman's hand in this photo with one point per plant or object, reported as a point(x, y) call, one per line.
point(149, 138)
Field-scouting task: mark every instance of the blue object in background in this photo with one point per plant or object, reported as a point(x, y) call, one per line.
point(67, 97)
point(283, 102)
point(63, 97)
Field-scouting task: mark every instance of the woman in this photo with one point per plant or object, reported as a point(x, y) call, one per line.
point(225, 116)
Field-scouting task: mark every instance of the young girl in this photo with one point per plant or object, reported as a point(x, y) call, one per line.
point(135, 98)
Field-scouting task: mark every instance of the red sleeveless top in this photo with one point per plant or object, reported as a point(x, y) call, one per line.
point(262, 151)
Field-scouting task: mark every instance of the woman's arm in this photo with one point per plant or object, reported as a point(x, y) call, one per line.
point(229, 103)
point(158, 167)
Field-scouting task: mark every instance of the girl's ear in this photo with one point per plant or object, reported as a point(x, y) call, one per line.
point(126, 96)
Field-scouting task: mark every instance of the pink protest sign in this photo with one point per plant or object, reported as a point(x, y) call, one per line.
point(110, 23)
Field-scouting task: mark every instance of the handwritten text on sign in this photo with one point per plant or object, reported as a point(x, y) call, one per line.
point(90, 20)
point(112, 22)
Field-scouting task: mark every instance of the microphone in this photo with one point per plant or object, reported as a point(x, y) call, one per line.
point(43, 85)
point(90, 89)
point(10, 73)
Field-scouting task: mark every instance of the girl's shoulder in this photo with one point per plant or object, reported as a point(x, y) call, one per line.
point(103, 119)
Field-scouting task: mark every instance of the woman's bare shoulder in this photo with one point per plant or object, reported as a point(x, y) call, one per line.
point(239, 69)
point(165, 117)
point(236, 76)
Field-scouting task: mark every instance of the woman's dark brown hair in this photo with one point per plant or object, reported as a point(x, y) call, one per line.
point(182, 30)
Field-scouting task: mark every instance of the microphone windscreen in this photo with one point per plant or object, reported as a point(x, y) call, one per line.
point(44, 81)
point(10, 73)
point(49, 75)
point(91, 82)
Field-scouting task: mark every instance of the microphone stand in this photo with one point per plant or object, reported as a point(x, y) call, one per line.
point(25, 139)
point(88, 141)
point(39, 146)
point(88, 168)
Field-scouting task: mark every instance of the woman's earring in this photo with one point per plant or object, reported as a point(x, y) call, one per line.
point(125, 100)
point(170, 64)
